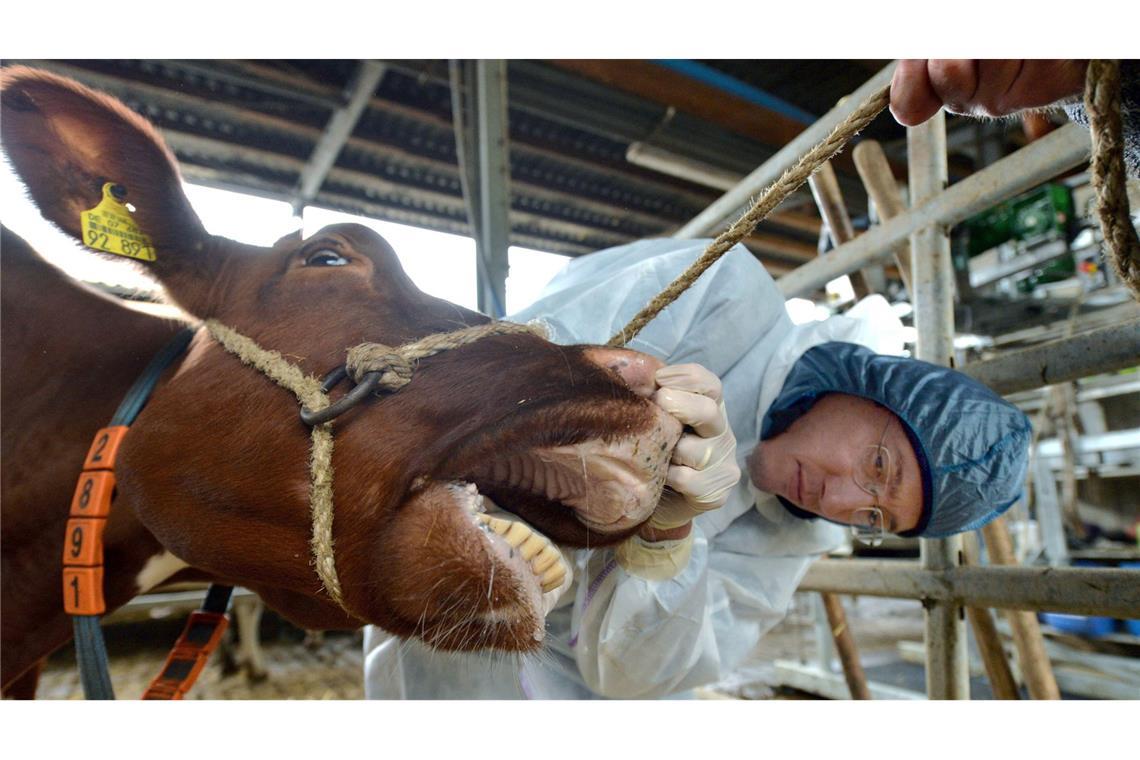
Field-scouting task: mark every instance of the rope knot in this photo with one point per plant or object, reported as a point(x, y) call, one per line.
point(393, 364)
point(396, 365)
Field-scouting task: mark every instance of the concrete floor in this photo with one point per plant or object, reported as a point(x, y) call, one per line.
point(877, 624)
point(331, 669)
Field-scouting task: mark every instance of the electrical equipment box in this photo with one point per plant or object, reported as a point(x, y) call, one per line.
point(1019, 244)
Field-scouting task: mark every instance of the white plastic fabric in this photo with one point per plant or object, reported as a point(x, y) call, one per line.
point(614, 634)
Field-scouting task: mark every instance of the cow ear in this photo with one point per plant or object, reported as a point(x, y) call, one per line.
point(289, 239)
point(72, 146)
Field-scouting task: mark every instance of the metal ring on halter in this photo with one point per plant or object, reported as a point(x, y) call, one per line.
point(366, 385)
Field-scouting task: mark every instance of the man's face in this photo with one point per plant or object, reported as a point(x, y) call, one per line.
point(814, 462)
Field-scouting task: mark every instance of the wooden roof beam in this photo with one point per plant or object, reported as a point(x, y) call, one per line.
point(669, 88)
point(660, 85)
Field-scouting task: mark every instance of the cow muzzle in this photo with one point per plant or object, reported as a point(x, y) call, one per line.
point(597, 486)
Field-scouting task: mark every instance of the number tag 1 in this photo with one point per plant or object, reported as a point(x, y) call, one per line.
point(83, 591)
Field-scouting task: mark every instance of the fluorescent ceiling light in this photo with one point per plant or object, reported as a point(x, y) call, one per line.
point(667, 162)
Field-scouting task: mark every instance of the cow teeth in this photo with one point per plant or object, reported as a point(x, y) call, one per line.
point(545, 559)
point(494, 523)
point(516, 534)
point(532, 546)
point(553, 577)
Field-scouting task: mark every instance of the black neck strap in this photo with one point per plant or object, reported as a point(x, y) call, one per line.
point(90, 648)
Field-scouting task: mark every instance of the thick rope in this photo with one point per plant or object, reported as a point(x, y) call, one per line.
point(1102, 104)
point(396, 365)
point(308, 391)
point(769, 200)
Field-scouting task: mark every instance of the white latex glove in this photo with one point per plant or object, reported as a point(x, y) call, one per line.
point(702, 473)
point(703, 469)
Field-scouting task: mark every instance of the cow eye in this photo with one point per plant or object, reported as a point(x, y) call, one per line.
point(325, 257)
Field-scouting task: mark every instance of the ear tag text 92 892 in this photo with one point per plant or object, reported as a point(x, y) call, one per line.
point(110, 227)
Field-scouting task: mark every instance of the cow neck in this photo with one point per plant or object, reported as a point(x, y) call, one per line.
point(83, 575)
point(375, 367)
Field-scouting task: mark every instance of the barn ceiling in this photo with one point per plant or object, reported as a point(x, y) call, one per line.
point(257, 125)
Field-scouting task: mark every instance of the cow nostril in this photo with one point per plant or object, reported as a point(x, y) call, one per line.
point(635, 368)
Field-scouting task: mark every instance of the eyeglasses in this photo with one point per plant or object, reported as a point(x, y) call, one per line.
point(872, 474)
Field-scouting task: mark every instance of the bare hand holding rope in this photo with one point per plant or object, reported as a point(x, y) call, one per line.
point(1102, 98)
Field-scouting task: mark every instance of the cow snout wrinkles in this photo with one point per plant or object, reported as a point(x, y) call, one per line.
point(635, 368)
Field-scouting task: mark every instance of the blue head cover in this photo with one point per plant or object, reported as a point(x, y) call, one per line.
point(972, 445)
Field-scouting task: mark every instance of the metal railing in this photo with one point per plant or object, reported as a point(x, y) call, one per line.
point(941, 580)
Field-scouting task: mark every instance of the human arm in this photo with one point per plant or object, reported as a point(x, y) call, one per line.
point(639, 639)
point(994, 88)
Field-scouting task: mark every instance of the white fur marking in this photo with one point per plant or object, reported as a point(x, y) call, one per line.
point(157, 569)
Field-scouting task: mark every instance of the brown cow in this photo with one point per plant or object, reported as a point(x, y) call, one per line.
point(214, 474)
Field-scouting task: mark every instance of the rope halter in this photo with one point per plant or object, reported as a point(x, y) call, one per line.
point(391, 369)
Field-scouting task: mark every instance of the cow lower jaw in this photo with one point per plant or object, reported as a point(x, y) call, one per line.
point(533, 558)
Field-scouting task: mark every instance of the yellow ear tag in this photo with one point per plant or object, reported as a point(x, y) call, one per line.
point(110, 227)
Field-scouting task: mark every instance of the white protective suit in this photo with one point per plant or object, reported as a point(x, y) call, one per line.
point(617, 635)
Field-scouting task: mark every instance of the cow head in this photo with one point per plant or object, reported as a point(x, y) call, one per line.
point(563, 438)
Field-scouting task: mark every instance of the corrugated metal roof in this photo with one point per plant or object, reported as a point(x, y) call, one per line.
point(253, 125)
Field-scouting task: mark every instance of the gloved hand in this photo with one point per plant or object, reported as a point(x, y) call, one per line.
point(703, 469)
point(702, 473)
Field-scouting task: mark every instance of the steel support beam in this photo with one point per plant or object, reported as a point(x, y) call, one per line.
point(437, 171)
point(1039, 161)
point(493, 230)
point(340, 126)
point(1113, 592)
point(1105, 349)
point(371, 186)
point(729, 205)
point(947, 656)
